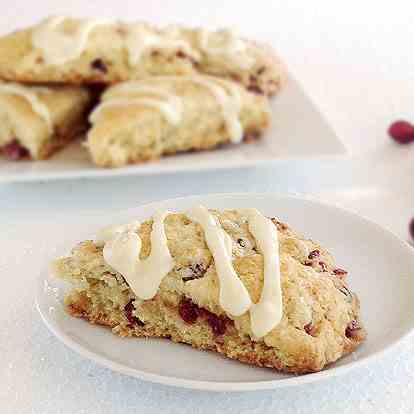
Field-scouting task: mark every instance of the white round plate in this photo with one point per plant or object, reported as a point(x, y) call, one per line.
point(380, 267)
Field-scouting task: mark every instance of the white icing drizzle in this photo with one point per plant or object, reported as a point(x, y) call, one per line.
point(138, 93)
point(58, 47)
point(141, 38)
point(225, 44)
point(30, 94)
point(233, 297)
point(144, 93)
point(267, 313)
point(143, 276)
point(229, 99)
point(122, 246)
point(108, 233)
point(165, 108)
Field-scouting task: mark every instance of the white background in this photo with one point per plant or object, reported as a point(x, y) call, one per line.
point(356, 60)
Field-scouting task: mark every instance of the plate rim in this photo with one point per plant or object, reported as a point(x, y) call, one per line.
point(227, 386)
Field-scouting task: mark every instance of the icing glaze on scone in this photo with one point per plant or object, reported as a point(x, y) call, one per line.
point(143, 276)
point(122, 246)
point(234, 297)
point(141, 38)
point(140, 93)
point(224, 44)
point(147, 93)
point(68, 50)
point(59, 47)
point(31, 96)
point(267, 313)
point(228, 97)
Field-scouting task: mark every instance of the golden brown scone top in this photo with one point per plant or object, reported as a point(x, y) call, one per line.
point(321, 315)
point(110, 54)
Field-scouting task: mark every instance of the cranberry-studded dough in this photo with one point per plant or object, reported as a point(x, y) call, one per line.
point(143, 120)
point(95, 50)
point(36, 121)
point(274, 299)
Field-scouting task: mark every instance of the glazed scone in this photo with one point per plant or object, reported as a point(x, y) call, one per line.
point(276, 300)
point(79, 51)
point(36, 121)
point(143, 120)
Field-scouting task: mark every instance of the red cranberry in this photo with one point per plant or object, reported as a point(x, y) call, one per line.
point(310, 329)
point(14, 150)
point(280, 226)
point(339, 272)
point(188, 311)
point(412, 228)
point(323, 266)
point(255, 89)
point(132, 319)
point(402, 132)
point(99, 65)
point(313, 254)
point(352, 329)
point(181, 54)
point(217, 324)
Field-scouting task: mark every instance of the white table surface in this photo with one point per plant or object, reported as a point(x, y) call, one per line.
point(355, 60)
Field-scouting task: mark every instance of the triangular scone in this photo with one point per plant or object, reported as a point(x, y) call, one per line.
point(36, 121)
point(143, 120)
point(320, 320)
point(103, 51)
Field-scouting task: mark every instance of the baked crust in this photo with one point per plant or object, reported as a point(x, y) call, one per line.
point(105, 59)
point(137, 133)
point(321, 319)
point(25, 132)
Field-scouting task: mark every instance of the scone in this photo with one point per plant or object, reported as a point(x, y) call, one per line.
point(35, 121)
point(233, 282)
point(143, 120)
point(77, 51)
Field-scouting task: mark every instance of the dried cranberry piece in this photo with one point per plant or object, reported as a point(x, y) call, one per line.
point(181, 54)
point(255, 89)
point(339, 272)
point(313, 254)
point(323, 266)
point(99, 64)
point(352, 329)
point(188, 311)
point(132, 319)
point(401, 132)
point(280, 226)
point(308, 263)
point(217, 324)
point(310, 329)
point(14, 150)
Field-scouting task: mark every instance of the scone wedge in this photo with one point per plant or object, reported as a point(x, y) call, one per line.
point(36, 121)
point(79, 51)
point(143, 120)
point(233, 282)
